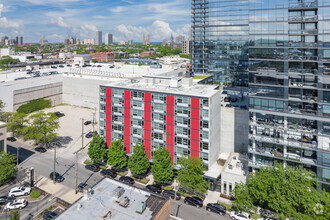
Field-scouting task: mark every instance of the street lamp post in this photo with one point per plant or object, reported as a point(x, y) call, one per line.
point(17, 155)
point(54, 163)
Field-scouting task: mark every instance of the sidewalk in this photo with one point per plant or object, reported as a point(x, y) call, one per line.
point(58, 190)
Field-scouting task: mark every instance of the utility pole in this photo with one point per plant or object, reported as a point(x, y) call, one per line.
point(54, 162)
point(94, 115)
point(82, 146)
point(17, 155)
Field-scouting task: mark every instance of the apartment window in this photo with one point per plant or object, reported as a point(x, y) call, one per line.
point(205, 113)
point(138, 104)
point(160, 97)
point(156, 145)
point(182, 121)
point(230, 188)
point(137, 94)
point(180, 130)
point(102, 107)
point(118, 92)
point(158, 126)
point(102, 124)
point(182, 151)
point(116, 136)
point(204, 124)
point(136, 140)
point(102, 90)
point(205, 102)
point(204, 156)
point(182, 141)
point(225, 188)
point(117, 101)
point(182, 110)
point(117, 118)
point(117, 127)
point(118, 109)
point(204, 146)
point(102, 99)
point(204, 135)
point(158, 136)
point(137, 122)
point(159, 107)
point(137, 131)
point(102, 115)
point(137, 113)
point(182, 99)
point(158, 116)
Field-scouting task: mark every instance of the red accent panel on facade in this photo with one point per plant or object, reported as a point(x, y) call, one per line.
point(127, 121)
point(147, 148)
point(108, 117)
point(195, 103)
point(194, 124)
point(147, 97)
point(194, 153)
point(108, 138)
point(194, 134)
point(108, 92)
point(170, 124)
point(147, 135)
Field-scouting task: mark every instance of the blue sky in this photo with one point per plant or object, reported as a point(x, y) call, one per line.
point(125, 19)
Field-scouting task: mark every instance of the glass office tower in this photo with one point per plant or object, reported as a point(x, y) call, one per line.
point(220, 39)
point(289, 83)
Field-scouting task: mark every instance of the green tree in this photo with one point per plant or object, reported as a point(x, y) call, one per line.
point(162, 169)
point(42, 128)
point(190, 174)
point(16, 123)
point(14, 214)
point(287, 191)
point(2, 105)
point(7, 166)
point(138, 163)
point(117, 154)
point(94, 60)
point(97, 150)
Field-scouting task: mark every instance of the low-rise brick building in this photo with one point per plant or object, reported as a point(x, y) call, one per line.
point(104, 57)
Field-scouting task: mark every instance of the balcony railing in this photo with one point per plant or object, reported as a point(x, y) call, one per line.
point(303, 18)
point(303, 71)
point(304, 32)
point(297, 57)
point(309, 4)
point(303, 44)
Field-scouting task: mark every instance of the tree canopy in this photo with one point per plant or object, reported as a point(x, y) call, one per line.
point(287, 191)
point(162, 169)
point(7, 166)
point(97, 150)
point(42, 128)
point(117, 154)
point(16, 123)
point(190, 174)
point(138, 163)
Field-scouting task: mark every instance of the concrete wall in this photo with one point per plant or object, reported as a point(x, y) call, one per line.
point(164, 212)
point(232, 179)
point(7, 89)
point(52, 91)
point(234, 130)
point(3, 136)
point(214, 128)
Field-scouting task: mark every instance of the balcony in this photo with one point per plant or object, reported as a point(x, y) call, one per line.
point(303, 5)
point(303, 44)
point(298, 19)
point(303, 58)
point(311, 85)
point(304, 32)
point(303, 71)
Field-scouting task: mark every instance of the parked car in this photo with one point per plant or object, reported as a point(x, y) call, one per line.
point(87, 122)
point(11, 139)
point(19, 191)
point(171, 193)
point(227, 99)
point(29, 72)
point(61, 66)
point(243, 107)
point(16, 204)
point(228, 105)
point(224, 92)
point(234, 99)
point(90, 134)
point(217, 208)
point(84, 65)
point(92, 167)
point(109, 173)
point(238, 215)
point(68, 65)
point(58, 177)
point(6, 199)
point(111, 67)
point(59, 114)
point(40, 149)
point(49, 215)
point(154, 188)
point(194, 200)
point(82, 186)
point(99, 66)
point(54, 66)
point(126, 179)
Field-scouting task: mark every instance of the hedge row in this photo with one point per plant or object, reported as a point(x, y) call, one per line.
point(34, 105)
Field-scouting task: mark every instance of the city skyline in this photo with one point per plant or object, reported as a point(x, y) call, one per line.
point(81, 19)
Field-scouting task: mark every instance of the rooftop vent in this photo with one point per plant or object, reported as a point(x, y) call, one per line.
point(124, 202)
point(140, 207)
point(234, 157)
point(230, 166)
point(118, 192)
point(175, 82)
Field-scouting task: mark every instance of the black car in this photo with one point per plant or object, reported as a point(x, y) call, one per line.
point(92, 167)
point(54, 67)
point(234, 99)
point(40, 149)
point(126, 179)
point(171, 193)
point(61, 66)
point(58, 177)
point(87, 122)
point(227, 99)
point(50, 215)
point(217, 208)
point(154, 188)
point(82, 186)
point(198, 202)
point(109, 173)
point(59, 114)
point(11, 139)
point(69, 65)
point(6, 199)
point(90, 134)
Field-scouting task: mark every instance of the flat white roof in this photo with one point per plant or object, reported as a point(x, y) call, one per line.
point(198, 90)
point(102, 201)
point(236, 164)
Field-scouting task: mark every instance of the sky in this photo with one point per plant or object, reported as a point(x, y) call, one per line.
point(125, 19)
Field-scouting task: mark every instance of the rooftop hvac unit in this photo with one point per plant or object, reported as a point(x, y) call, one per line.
point(230, 166)
point(140, 207)
point(118, 192)
point(175, 82)
point(124, 202)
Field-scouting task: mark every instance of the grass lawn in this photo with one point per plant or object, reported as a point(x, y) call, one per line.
point(201, 76)
point(168, 188)
point(144, 180)
point(88, 162)
point(122, 173)
point(35, 194)
point(255, 216)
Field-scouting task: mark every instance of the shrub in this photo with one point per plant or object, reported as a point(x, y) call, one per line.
point(144, 180)
point(34, 105)
point(35, 194)
point(103, 167)
point(88, 162)
point(168, 188)
point(122, 173)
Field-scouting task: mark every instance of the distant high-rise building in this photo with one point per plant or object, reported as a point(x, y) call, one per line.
point(148, 42)
point(16, 40)
point(179, 39)
point(130, 42)
point(78, 41)
point(98, 38)
point(89, 41)
point(20, 40)
point(108, 39)
point(144, 39)
point(164, 43)
point(43, 41)
point(186, 47)
point(172, 40)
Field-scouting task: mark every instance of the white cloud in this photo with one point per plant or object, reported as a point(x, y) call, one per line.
point(117, 9)
point(59, 22)
point(1, 8)
point(158, 31)
point(47, 2)
point(12, 24)
point(55, 37)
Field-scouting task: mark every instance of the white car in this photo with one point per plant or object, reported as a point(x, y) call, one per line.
point(239, 215)
point(16, 204)
point(19, 191)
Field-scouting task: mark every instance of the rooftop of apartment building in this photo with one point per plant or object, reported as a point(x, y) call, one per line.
point(168, 84)
point(231, 163)
point(111, 199)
